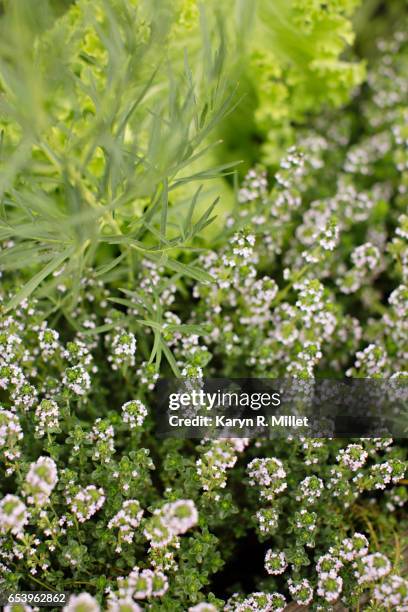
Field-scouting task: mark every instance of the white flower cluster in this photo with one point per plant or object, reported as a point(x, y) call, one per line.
point(370, 362)
point(21, 607)
point(122, 605)
point(268, 519)
point(10, 435)
point(102, 436)
point(311, 448)
point(269, 474)
point(192, 371)
point(77, 352)
point(354, 547)
point(10, 338)
point(371, 568)
point(329, 584)
point(353, 457)
point(13, 515)
point(305, 526)
point(11, 375)
point(392, 593)
point(310, 489)
point(192, 357)
point(361, 157)
point(292, 167)
point(254, 187)
point(310, 294)
point(366, 260)
point(242, 251)
point(399, 246)
point(24, 397)
point(86, 502)
point(47, 416)
point(301, 591)
point(396, 498)
point(48, 340)
point(77, 380)
point(367, 568)
point(383, 474)
point(40, 481)
point(141, 584)
point(275, 563)
point(134, 413)
point(307, 358)
point(328, 564)
point(179, 516)
point(203, 607)
point(84, 602)
point(123, 350)
point(169, 521)
point(147, 375)
point(256, 602)
point(259, 296)
point(150, 277)
point(221, 456)
point(366, 257)
point(319, 230)
point(340, 487)
point(329, 236)
point(126, 520)
point(399, 301)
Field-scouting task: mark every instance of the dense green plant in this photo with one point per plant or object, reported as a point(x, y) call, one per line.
point(99, 134)
point(105, 123)
point(291, 62)
point(108, 282)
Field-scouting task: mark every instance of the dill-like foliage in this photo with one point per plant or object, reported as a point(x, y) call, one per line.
point(101, 126)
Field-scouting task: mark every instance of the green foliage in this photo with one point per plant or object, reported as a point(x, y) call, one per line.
point(99, 134)
point(106, 126)
point(290, 59)
point(129, 250)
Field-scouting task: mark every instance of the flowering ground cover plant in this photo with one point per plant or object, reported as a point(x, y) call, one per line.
point(115, 271)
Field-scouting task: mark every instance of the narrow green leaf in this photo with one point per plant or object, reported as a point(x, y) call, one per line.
point(189, 217)
point(104, 269)
point(165, 206)
point(33, 283)
point(205, 219)
point(170, 358)
point(186, 269)
point(104, 328)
